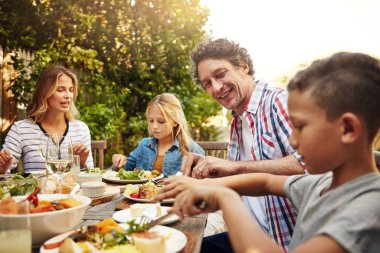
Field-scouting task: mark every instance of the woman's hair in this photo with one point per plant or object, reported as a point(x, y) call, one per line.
point(45, 86)
point(171, 107)
point(344, 82)
point(220, 49)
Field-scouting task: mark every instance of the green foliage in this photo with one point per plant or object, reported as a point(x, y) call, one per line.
point(125, 53)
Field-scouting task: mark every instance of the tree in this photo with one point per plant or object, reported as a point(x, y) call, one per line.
point(125, 52)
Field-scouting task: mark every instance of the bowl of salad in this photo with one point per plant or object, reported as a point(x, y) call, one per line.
point(50, 214)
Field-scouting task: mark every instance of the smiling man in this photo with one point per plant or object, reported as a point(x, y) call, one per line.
point(259, 136)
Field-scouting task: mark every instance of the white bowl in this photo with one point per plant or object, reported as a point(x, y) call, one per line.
point(93, 189)
point(89, 177)
point(48, 224)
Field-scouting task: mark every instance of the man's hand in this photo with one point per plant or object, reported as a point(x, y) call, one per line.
point(81, 150)
point(175, 185)
point(118, 161)
point(6, 159)
point(212, 167)
point(189, 162)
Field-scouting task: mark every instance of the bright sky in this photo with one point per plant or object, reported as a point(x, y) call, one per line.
point(281, 34)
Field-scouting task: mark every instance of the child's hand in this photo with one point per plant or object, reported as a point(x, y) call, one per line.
point(6, 159)
point(118, 161)
point(198, 199)
point(81, 150)
point(175, 185)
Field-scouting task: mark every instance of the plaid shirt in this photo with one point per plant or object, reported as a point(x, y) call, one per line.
point(267, 118)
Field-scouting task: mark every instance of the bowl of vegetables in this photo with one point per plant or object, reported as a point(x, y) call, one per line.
point(50, 214)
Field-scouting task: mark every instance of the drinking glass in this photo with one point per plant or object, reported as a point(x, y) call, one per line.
point(15, 233)
point(60, 162)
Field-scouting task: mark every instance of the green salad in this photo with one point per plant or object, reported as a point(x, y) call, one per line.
point(17, 185)
point(136, 174)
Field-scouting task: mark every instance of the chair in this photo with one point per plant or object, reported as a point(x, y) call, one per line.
point(98, 148)
point(214, 148)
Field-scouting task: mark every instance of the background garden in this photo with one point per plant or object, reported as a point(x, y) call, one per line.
point(124, 53)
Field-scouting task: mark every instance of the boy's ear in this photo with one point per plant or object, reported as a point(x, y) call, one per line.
point(351, 127)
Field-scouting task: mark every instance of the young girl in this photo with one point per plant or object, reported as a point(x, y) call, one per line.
point(170, 141)
point(52, 111)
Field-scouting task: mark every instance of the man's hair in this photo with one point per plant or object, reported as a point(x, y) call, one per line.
point(344, 82)
point(220, 49)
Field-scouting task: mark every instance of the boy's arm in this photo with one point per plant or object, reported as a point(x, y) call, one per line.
point(252, 184)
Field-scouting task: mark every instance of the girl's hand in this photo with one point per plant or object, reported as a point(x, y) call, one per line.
point(119, 161)
point(189, 201)
point(6, 159)
point(81, 150)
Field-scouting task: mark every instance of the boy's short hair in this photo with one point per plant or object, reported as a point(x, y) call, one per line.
point(344, 82)
point(220, 49)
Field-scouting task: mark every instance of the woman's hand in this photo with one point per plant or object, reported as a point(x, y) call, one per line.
point(6, 159)
point(81, 150)
point(119, 161)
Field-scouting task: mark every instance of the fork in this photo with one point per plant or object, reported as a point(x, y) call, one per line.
point(150, 215)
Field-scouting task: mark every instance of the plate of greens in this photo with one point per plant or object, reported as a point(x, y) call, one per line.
point(136, 176)
point(17, 185)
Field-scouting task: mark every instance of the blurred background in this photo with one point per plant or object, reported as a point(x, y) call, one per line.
point(125, 52)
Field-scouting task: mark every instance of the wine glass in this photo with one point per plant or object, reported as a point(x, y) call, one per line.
point(60, 159)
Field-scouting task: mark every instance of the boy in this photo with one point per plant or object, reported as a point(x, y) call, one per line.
point(334, 108)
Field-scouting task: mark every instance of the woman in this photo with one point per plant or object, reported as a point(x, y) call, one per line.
point(52, 111)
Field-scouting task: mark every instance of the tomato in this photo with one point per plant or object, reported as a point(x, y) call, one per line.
point(135, 195)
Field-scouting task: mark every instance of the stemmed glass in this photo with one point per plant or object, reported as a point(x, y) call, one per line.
point(59, 158)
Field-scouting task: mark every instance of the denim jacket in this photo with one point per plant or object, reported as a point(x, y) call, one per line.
point(144, 156)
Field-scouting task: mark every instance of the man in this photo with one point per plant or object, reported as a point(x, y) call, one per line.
point(259, 133)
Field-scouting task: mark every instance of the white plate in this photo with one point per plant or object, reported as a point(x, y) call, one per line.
point(165, 201)
point(124, 216)
point(174, 242)
point(111, 177)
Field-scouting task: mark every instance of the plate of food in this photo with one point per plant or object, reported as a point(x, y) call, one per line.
point(113, 237)
point(136, 210)
point(135, 176)
point(143, 193)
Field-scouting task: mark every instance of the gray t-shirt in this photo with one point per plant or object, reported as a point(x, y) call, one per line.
point(350, 214)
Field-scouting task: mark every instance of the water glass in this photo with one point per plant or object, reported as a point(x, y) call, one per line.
point(15, 232)
point(76, 167)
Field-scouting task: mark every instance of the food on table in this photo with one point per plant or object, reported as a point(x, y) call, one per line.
point(10, 206)
point(143, 191)
point(17, 185)
point(95, 170)
point(137, 209)
point(148, 190)
point(131, 188)
point(149, 242)
point(136, 174)
point(51, 184)
point(105, 236)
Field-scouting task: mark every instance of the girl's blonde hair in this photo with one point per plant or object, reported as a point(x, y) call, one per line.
point(45, 87)
point(171, 107)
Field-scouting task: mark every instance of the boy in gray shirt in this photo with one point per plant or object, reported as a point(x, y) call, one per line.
point(334, 131)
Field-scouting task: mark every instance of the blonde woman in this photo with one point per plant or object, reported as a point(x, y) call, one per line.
point(52, 111)
point(170, 141)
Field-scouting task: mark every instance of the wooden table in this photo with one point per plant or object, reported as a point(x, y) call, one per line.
point(190, 225)
point(193, 225)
